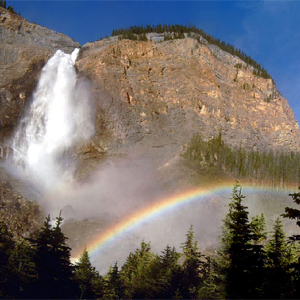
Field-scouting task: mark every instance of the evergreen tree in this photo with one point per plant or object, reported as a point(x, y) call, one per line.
point(3, 3)
point(242, 261)
point(24, 269)
point(240, 233)
point(212, 283)
point(259, 229)
point(192, 266)
point(278, 265)
point(139, 272)
point(88, 279)
point(169, 272)
point(113, 284)
point(294, 214)
point(52, 259)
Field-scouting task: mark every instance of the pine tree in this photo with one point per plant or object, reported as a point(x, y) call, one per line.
point(259, 229)
point(278, 264)
point(242, 260)
point(139, 272)
point(293, 213)
point(88, 279)
point(3, 3)
point(52, 259)
point(113, 284)
point(212, 283)
point(169, 271)
point(25, 272)
point(192, 266)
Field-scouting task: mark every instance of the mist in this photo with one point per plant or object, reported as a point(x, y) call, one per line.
point(60, 117)
point(118, 187)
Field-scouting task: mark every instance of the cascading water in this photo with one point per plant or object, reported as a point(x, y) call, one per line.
point(59, 117)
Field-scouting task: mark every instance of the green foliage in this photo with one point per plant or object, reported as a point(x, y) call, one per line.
point(279, 258)
point(192, 266)
point(248, 264)
point(52, 260)
point(259, 229)
point(3, 3)
point(242, 256)
point(293, 213)
point(138, 273)
point(11, 9)
point(212, 286)
point(169, 273)
point(114, 288)
point(178, 32)
point(88, 279)
point(24, 270)
point(216, 158)
point(143, 37)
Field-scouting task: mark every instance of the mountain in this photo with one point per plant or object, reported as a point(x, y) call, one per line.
point(152, 96)
point(24, 50)
point(149, 98)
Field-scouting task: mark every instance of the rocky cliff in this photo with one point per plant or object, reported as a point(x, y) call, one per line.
point(23, 217)
point(151, 97)
point(24, 49)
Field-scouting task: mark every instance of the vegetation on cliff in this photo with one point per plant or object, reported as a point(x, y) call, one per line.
point(217, 158)
point(178, 32)
point(10, 8)
point(248, 264)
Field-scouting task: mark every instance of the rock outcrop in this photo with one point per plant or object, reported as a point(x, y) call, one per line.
point(24, 49)
point(23, 217)
point(151, 97)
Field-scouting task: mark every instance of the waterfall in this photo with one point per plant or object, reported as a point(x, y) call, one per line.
point(60, 116)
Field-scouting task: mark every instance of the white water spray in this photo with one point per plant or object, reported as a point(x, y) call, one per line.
point(59, 117)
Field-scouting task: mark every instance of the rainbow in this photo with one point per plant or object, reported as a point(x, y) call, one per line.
point(157, 208)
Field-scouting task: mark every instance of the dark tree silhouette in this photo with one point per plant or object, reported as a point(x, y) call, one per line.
point(52, 259)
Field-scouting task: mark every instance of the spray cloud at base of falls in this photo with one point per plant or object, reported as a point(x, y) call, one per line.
point(60, 116)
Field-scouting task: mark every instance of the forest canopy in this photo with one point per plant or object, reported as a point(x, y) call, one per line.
point(216, 158)
point(250, 263)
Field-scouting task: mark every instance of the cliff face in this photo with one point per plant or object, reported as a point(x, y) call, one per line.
point(149, 99)
point(23, 217)
point(24, 49)
point(155, 96)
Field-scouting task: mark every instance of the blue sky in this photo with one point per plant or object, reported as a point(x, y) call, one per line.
point(268, 31)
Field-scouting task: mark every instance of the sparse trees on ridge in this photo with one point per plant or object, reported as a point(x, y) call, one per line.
point(178, 32)
point(3, 3)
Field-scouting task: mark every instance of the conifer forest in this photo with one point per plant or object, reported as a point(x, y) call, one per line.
point(249, 264)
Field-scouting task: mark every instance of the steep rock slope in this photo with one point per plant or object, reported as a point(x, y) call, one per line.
point(24, 49)
point(23, 217)
point(151, 97)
